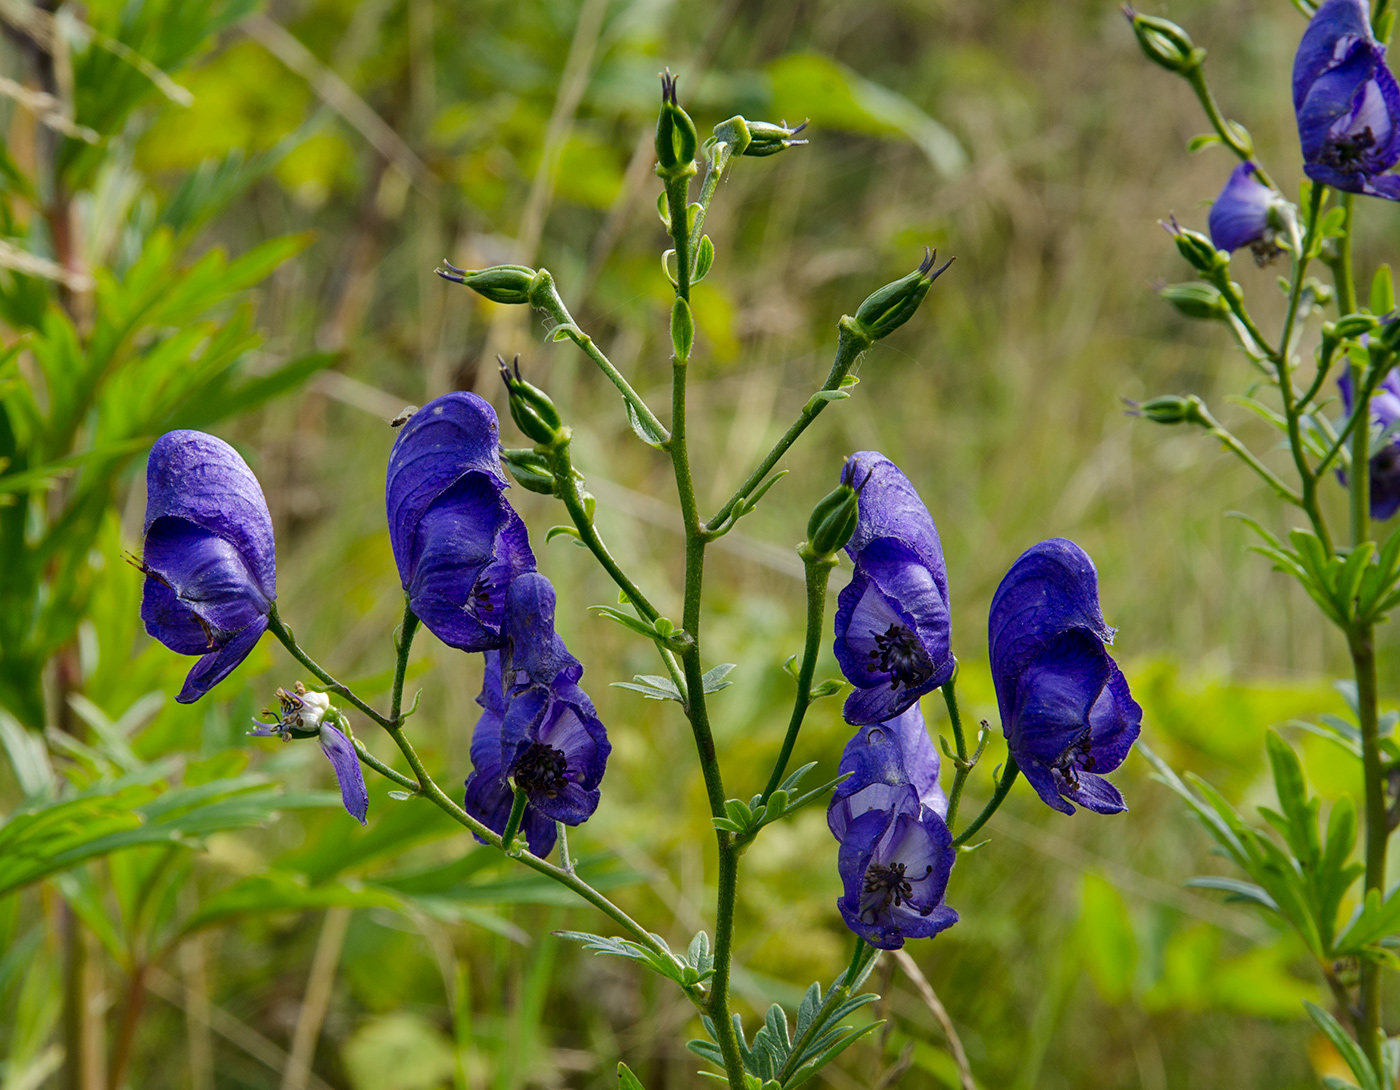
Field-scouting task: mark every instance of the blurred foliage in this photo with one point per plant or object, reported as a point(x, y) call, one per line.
point(340, 150)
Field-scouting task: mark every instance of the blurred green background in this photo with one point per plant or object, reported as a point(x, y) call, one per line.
point(1030, 140)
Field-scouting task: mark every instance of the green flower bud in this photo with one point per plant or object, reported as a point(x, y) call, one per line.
point(530, 407)
point(1197, 248)
point(833, 520)
point(530, 469)
point(768, 139)
point(1195, 299)
point(894, 304)
point(1164, 42)
point(676, 139)
point(500, 283)
point(1170, 409)
point(1350, 325)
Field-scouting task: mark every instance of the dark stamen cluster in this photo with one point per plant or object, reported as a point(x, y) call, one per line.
point(1346, 152)
point(541, 770)
point(890, 881)
point(898, 654)
point(1076, 758)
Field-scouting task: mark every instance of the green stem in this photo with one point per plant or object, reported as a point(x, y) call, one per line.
point(835, 996)
point(408, 628)
point(1363, 654)
point(677, 191)
point(964, 766)
point(517, 815)
point(1196, 77)
point(1008, 777)
point(1233, 444)
point(547, 299)
point(850, 343)
point(715, 164)
point(1348, 431)
point(284, 634)
point(1343, 276)
point(818, 569)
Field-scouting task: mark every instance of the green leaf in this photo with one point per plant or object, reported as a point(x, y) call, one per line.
point(625, 1079)
point(1299, 812)
point(1349, 1050)
point(644, 430)
point(682, 329)
point(713, 679)
point(652, 686)
point(704, 258)
point(1205, 140)
point(1237, 890)
point(1382, 291)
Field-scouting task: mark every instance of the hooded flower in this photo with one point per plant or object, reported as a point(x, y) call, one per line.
point(896, 852)
point(1246, 214)
point(1385, 463)
point(1065, 705)
point(893, 765)
point(208, 556)
point(306, 715)
point(456, 539)
point(892, 623)
point(1347, 102)
point(489, 797)
point(539, 729)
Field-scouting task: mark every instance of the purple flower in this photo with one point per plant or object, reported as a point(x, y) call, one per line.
point(1385, 463)
point(892, 623)
point(457, 541)
point(539, 730)
point(208, 556)
point(893, 765)
point(1065, 706)
point(1347, 102)
point(896, 852)
point(306, 715)
point(1246, 214)
point(489, 797)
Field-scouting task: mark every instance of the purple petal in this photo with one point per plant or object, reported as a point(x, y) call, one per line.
point(921, 761)
point(201, 479)
point(879, 780)
point(447, 438)
point(346, 763)
point(922, 847)
point(214, 667)
point(890, 507)
point(470, 545)
point(1332, 32)
point(207, 577)
point(1240, 215)
point(1052, 588)
point(1097, 794)
point(534, 648)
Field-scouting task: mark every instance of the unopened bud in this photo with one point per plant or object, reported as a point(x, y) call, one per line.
point(894, 304)
point(834, 518)
point(1170, 409)
point(676, 139)
point(1195, 299)
point(500, 283)
point(1349, 325)
point(530, 469)
point(1196, 248)
point(769, 139)
point(530, 407)
point(1164, 43)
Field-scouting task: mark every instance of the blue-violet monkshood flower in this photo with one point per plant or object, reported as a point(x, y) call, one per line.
point(1385, 463)
point(208, 556)
point(892, 622)
point(892, 765)
point(306, 715)
point(1347, 102)
point(539, 730)
point(1065, 706)
point(896, 852)
point(456, 540)
point(1247, 213)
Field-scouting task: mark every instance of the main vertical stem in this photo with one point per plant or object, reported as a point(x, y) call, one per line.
point(677, 192)
point(1361, 641)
